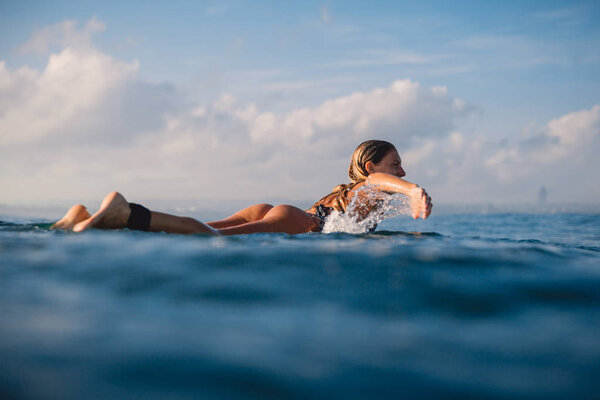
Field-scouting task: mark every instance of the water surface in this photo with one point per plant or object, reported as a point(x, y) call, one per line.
point(463, 306)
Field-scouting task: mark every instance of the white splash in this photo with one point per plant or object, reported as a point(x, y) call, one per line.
point(388, 206)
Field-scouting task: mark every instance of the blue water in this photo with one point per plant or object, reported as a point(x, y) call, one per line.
point(499, 306)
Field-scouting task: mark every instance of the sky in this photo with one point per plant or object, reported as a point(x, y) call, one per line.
point(487, 102)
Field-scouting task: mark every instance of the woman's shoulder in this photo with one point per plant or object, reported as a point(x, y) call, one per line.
point(327, 201)
point(338, 199)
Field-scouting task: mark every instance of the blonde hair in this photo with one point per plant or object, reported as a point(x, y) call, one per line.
point(371, 150)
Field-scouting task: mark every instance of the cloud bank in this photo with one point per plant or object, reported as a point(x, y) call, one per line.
point(563, 154)
point(87, 124)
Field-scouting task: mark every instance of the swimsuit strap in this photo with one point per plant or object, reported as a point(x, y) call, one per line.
point(323, 211)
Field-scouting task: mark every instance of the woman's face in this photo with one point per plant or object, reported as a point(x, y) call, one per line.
point(390, 164)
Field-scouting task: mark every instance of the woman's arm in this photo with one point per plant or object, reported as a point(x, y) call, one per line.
point(390, 183)
point(419, 200)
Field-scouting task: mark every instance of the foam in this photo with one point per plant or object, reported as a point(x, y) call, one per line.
point(390, 205)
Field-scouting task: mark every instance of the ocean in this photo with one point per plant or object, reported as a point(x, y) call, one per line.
point(465, 306)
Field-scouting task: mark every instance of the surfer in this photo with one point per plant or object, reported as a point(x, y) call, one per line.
point(375, 164)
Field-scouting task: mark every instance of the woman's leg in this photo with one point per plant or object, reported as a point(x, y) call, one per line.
point(76, 214)
point(114, 213)
point(161, 222)
point(248, 214)
point(283, 218)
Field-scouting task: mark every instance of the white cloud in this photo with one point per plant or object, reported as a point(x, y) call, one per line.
point(35, 105)
point(63, 34)
point(562, 138)
point(403, 111)
point(87, 124)
point(570, 133)
point(467, 167)
point(225, 103)
point(562, 156)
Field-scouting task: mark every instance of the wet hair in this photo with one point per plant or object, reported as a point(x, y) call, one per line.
point(371, 150)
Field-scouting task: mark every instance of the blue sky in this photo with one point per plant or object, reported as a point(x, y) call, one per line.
point(496, 95)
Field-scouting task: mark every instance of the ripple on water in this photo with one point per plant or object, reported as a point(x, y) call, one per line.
point(476, 306)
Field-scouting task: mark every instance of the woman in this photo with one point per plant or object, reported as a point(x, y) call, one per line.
point(375, 163)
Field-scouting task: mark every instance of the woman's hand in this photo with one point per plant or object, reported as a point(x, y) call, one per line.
point(420, 203)
point(419, 200)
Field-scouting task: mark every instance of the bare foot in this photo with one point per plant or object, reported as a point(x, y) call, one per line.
point(76, 214)
point(113, 214)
